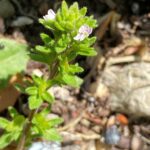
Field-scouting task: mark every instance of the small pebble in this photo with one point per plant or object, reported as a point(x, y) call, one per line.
point(112, 135)
point(85, 122)
point(136, 143)
point(124, 142)
point(111, 121)
point(45, 146)
point(97, 129)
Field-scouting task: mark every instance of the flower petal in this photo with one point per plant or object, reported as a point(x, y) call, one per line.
point(50, 15)
point(84, 31)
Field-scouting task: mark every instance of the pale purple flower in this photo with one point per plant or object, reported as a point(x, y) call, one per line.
point(50, 15)
point(84, 31)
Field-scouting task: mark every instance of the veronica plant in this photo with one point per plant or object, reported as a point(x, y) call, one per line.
point(71, 36)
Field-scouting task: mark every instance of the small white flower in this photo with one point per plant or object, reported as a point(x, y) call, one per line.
point(83, 32)
point(50, 15)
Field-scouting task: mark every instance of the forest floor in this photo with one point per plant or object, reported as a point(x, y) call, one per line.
point(111, 111)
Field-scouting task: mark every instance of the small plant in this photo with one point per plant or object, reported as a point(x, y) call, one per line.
point(71, 29)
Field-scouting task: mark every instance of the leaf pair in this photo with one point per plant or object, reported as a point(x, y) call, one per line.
point(38, 93)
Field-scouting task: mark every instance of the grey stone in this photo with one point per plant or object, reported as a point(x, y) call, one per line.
point(6, 9)
point(129, 88)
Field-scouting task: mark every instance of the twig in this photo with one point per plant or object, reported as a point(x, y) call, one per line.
point(72, 123)
point(93, 136)
point(126, 59)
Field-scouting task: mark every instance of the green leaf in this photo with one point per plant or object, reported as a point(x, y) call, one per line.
point(75, 69)
point(52, 135)
point(46, 38)
point(19, 120)
point(48, 97)
point(20, 88)
point(13, 58)
point(40, 57)
point(72, 80)
point(56, 121)
point(32, 90)
point(64, 9)
point(34, 102)
point(74, 9)
point(13, 112)
point(48, 23)
point(37, 80)
point(58, 26)
point(87, 51)
point(43, 49)
point(41, 122)
point(59, 49)
point(3, 122)
point(83, 11)
point(5, 140)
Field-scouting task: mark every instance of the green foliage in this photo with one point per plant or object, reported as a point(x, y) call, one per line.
point(57, 53)
point(65, 27)
point(38, 92)
point(71, 31)
point(42, 126)
point(12, 129)
point(13, 59)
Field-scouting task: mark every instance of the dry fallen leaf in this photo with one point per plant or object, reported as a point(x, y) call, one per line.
point(9, 95)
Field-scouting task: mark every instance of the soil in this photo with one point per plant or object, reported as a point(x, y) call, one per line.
point(123, 38)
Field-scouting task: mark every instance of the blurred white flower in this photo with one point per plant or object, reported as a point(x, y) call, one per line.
point(50, 15)
point(84, 31)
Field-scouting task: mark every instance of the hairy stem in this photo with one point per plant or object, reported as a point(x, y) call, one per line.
point(26, 131)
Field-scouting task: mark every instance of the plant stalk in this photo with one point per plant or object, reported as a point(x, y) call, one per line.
point(26, 131)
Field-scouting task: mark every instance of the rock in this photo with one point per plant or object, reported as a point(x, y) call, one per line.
point(85, 122)
point(61, 93)
point(21, 21)
point(97, 129)
point(2, 25)
point(6, 9)
point(129, 88)
point(98, 89)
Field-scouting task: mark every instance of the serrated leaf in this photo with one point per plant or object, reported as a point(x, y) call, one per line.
point(83, 11)
point(64, 9)
point(52, 135)
point(58, 26)
point(32, 90)
point(75, 69)
point(5, 140)
point(87, 52)
point(3, 122)
point(19, 121)
point(34, 102)
point(56, 121)
point(46, 38)
point(72, 80)
point(42, 49)
point(13, 58)
point(48, 97)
